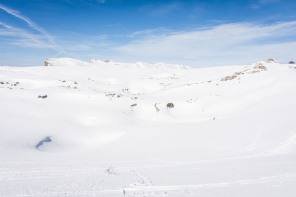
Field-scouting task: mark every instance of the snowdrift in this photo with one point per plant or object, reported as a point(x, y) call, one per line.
point(114, 105)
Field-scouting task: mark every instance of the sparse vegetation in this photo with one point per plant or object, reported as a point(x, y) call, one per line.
point(228, 78)
point(110, 94)
point(257, 68)
point(254, 71)
point(156, 108)
point(291, 62)
point(192, 100)
point(110, 170)
point(260, 66)
point(9, 85)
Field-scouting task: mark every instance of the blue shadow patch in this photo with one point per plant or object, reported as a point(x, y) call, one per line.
point(45, 140)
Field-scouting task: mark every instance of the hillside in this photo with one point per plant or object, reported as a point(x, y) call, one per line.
point(120, 129)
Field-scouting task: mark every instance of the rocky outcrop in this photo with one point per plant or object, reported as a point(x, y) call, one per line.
point(46, 63)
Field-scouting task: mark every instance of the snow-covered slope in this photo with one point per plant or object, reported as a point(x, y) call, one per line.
point(220, 131)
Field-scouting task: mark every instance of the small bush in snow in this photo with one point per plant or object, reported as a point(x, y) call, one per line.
point(110, 170)
point(156, 108)
point(228, 78)
point(260, 66)
point(291, 62)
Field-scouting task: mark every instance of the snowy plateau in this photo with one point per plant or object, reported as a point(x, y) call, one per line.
point(110, 129)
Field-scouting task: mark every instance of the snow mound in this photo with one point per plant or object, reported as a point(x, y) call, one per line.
point(64, 62)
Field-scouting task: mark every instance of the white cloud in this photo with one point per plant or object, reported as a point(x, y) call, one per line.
point(23, 38)
point(267, 1)
point(27, 20)
point(88, 2)
point(228, 43)
point(160, 9)
point(148, 32)
point(262, 3)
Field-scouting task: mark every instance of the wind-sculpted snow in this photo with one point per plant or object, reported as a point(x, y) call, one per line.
point(104, 128)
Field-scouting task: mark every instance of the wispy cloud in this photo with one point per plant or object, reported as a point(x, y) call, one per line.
point(160, 9)
point(94, 1)
point(232, 43)
point(268, 1)
point(87, 2)
point(24, 38)
point(262, 3)
point(31, 24)
point(148, 32)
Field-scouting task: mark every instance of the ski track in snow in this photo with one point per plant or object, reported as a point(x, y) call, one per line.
point(285, 147)
point(280, 177)
point(166, 190)
point(251, 146)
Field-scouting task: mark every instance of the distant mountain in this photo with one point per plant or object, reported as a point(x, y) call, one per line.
point(97, 62)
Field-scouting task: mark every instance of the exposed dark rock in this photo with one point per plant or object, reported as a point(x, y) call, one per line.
point(42, 96)
point(170, 105)
point(46, 63)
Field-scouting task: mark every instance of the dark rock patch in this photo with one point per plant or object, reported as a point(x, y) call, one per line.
point(170, 105)
point(42, 96)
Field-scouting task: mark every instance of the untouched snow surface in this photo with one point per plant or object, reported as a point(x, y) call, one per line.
point(104, 129)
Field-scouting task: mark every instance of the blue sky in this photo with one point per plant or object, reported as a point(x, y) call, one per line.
point(196, 33)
